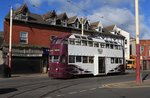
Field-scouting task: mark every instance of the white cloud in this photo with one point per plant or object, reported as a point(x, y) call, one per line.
point(36, 2)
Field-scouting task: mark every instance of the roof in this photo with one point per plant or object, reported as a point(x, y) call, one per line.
point(22, 8)
point(94, 24)
point(109, 28)
point(38, 19)
point(49, 14)
point(72, 19)
point(62, 16)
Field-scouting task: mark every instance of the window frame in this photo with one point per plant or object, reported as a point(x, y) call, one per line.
point(23, 38)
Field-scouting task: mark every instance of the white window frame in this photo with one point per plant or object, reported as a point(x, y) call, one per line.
point(25, 38)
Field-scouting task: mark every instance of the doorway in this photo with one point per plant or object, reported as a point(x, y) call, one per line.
point(101, 64)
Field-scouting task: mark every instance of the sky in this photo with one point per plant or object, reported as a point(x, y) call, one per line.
point(108, 12)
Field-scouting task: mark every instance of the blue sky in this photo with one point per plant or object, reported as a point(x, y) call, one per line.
point(119, 12)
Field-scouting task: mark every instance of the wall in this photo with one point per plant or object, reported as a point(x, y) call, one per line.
point(37, 35)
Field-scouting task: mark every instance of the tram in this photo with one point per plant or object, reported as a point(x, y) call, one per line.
point(74, 54)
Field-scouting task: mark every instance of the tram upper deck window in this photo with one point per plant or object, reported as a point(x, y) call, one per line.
point(58, 41)
point(90, 43)
point(96, 44)
point(65, 41)
point(84, 42)
point(102, 45)
point(77, 41)
point(72, 41)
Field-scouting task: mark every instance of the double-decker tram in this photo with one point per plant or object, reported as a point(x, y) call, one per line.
point(73, 54)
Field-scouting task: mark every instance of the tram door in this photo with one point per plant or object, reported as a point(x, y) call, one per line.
point(101, 64)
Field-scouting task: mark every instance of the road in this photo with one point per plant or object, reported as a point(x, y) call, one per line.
point(84, 87)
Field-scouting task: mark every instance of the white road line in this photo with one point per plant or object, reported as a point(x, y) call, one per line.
point(83, 91)
point(72, 92)
point(60, 95)
point(92, 89)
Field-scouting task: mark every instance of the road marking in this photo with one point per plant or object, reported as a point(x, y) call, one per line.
point(83, 91)
point(60, 95)
point(92, 89)
point(72, 93)
point(100, 87)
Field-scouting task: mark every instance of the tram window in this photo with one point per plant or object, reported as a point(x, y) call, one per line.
point(91, 59)
point(102, 45)
point(107, 45)
point(116, 60)
point(78, 42)
point(84, 42)
point(116, 46)
point(63, 59)
point(58, 41)
point(50, 58)
point(72, 42)
point(85, 59)
point(56, 58)
point(96, 44)
point(120, 60)
point(71, 59)
point(90, 43)
point(65, 41)
point(111, 46)
point(112, 60)
point(78, 59)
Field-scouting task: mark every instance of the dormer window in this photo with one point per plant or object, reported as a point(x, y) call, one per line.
point(64, 23)
point(76, 24)
point(22, 16)
point(52, 21)
point(86, 26)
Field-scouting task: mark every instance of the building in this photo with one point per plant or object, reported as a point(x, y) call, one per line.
point(113, 29)
point(145, 53)
point(1, 53)
point(32, 35)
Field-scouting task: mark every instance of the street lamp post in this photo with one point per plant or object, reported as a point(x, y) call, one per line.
point(10, 42)
point(138, 75)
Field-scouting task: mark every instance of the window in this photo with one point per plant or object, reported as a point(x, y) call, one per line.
point(52, 37)
point(91, 59)
point(85, 59)
point(107, 45)
point(56, 59)
point(64, 23)
point(120, 60)
point(71, 59)
point(112, 60)
point(77, 24)
point(78, 59)
point(84, 42)
point(24, 37)
point(116, 60)
point(52, 21)
point(90, 43)
point(125, 42)
point(72, 42)
point(111, 46)
point(96, 44)
point(78, 42)
point(102, 45)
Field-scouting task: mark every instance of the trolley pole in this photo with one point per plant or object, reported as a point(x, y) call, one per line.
point(10, 40)
point(138, 74)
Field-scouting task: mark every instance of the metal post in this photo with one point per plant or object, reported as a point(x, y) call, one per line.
point(10, 39)
point(138, 76)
